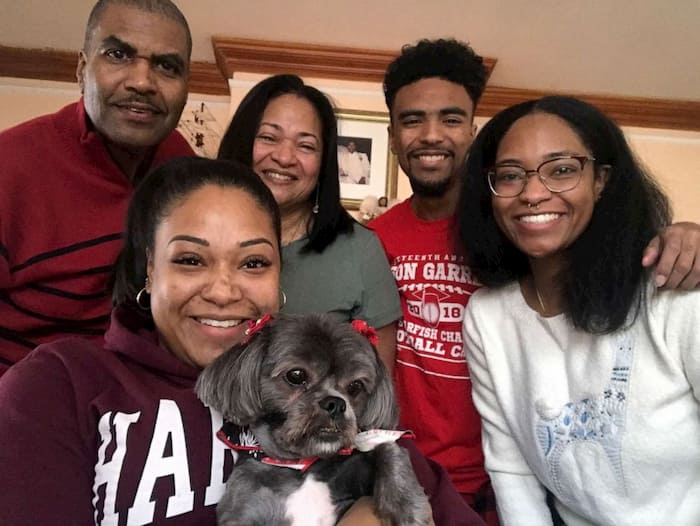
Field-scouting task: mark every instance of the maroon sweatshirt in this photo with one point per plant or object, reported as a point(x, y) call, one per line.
point(114, 434)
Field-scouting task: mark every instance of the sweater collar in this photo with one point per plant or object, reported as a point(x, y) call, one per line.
point(85, 128)
point(405, 208)
point(94, 143)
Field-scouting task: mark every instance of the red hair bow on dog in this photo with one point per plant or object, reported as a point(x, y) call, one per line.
point(254, 326)
point(365, 330)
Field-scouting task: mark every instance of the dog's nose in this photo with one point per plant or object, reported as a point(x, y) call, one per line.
point(334, 405)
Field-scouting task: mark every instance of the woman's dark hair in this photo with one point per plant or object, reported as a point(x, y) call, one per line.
point(604, 281)
point(237, 144)
point(159, 193)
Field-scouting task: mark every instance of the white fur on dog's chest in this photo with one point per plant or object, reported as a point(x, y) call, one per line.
point(311, 504)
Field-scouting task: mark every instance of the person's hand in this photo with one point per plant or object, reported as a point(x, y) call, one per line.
point(676, 252)
point(361, 514)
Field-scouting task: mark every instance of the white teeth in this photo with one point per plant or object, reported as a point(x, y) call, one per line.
point(539, 218)
point(223, 324)
point(432, 158)
point(278, 176)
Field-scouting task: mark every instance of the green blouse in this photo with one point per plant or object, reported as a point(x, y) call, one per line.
point(350, 278)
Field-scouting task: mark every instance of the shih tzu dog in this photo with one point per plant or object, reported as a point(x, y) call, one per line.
point(309, 409)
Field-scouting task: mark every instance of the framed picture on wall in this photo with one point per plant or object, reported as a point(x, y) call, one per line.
point(365, 162)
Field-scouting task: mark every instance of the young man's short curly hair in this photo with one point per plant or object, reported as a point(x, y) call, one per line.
point(447, 59)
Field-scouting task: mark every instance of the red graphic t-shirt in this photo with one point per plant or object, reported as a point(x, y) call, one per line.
point(431, 376)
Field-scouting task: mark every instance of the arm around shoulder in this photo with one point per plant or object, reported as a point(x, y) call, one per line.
point(676, 253)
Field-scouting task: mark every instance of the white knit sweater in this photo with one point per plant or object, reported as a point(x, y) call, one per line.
point(609, 424)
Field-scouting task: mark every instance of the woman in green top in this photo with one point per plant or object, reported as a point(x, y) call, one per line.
point(286, 130)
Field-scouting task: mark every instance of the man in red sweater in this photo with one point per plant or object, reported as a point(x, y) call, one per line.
point(67, 178)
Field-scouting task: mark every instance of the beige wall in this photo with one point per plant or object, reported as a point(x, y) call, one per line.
point(21, 100)
point(672, 156)
point(674, 159)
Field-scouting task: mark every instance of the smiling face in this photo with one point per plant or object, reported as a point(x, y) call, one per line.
point(133, 76)
point(215, 265)
point(559, 218)
point(288, 148)
point(431, 132)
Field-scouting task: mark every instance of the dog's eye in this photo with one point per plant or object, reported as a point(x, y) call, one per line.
point(355, 388)
point(296, 377)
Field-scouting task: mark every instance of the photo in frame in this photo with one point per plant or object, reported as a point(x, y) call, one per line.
point(365, 162)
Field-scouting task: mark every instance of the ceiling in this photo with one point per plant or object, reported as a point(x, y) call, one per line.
point(629, 48)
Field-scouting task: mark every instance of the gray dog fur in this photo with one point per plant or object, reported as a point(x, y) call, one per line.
point(286, 385)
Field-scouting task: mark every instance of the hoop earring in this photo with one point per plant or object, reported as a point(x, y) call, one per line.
point(315, 208)
point(283, 299)
point(143, 294)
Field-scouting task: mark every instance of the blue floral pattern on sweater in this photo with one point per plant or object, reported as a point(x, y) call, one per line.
point(600, 419)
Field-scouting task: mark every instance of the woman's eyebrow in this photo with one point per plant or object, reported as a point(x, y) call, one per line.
point(256, 241)
point(191, 239)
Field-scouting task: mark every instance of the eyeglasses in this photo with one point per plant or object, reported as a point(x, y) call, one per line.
point(557, 175)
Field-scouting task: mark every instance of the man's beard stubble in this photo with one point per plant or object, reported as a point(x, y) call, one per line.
point(430, 189)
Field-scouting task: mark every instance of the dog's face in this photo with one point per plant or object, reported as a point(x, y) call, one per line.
point(304, 384)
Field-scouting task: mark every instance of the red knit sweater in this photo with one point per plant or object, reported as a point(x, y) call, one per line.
point(62, 207)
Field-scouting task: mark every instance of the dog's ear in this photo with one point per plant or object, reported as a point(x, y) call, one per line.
point(381, 411)
point(231, 383)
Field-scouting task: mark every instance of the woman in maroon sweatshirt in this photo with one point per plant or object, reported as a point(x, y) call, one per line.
point(114, 434)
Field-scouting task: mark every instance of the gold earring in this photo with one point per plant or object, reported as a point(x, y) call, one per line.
point(144, 294)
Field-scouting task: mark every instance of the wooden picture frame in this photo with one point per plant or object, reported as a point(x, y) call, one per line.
point(368, 131)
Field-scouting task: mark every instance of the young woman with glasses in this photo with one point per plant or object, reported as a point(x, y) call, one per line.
point(585, 374)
